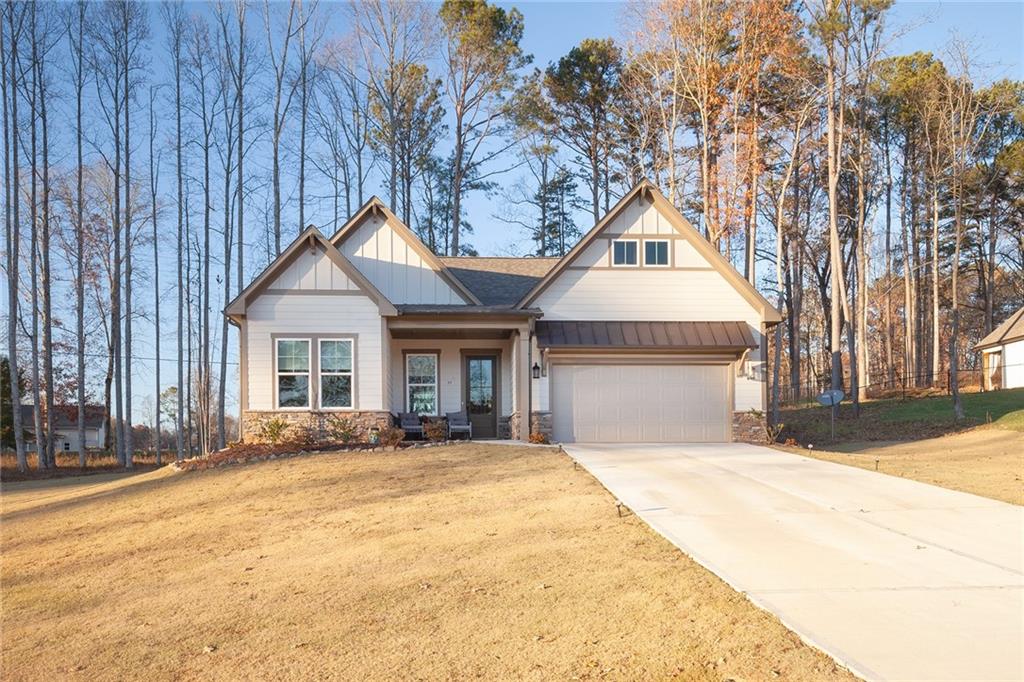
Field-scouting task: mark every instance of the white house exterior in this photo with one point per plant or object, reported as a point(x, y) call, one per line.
point(642, 332)
point(1002, 354)
point(65, 427)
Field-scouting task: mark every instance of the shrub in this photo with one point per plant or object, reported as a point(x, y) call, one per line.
point(391, 436)
point(772, 431)
point(539, 438)
point(272, 430)
point(343, 429)
point(435, 430)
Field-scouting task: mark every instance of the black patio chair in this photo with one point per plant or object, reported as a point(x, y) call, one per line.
point(410, 423)
point(458, 422)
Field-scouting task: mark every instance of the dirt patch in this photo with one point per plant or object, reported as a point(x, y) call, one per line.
point(984, 461)
point(491, 562)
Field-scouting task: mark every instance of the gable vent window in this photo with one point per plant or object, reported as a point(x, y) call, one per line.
point(656, 252)
point(624, 252)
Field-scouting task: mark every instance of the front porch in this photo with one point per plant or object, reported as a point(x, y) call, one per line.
point(476, 361)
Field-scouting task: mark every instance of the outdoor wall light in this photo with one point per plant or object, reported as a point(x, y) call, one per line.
point(536, 371)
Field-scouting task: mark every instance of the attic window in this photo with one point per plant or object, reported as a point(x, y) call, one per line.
point(624, 252)
point(656, 252)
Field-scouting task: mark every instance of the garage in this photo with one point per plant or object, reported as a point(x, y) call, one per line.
point(640, 403)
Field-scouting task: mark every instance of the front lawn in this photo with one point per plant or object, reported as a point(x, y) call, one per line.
point(911, 419)
point(471, 561)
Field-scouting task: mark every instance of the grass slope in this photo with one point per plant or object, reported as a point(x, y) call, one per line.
point(895, 419)
point(472, 561)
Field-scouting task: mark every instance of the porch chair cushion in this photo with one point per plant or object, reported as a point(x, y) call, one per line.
point(410, 422)
point(458, 422)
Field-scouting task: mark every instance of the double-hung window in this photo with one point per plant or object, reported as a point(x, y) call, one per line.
point(624, 252)
point(656, 252)
point(421, 383)
point(335, 373)
point(293, 373)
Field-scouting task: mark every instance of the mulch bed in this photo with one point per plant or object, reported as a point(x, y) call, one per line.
point(245, 453)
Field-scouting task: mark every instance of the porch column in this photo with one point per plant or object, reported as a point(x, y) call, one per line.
point(523, 382)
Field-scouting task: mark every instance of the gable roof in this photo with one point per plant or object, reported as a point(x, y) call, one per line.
point(1012, 329)
point(66, 416)
point(309, 237)
point(374, 205)
point(646, 189)
point(499, 281)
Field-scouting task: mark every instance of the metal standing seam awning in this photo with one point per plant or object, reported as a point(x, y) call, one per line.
point(656, 336)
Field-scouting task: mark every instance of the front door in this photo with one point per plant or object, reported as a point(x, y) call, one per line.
point(481, 394)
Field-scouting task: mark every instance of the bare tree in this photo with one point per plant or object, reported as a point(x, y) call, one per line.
point(15, 15)
point(174, 18)
point(154, 182)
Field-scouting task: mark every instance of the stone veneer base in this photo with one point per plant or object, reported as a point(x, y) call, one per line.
point(748, 428)
point(316, 425)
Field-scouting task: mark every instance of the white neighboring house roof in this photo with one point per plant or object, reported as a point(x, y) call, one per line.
point(1012, 329)
point(310, 237)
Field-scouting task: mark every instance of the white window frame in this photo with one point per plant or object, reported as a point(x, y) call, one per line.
point(321, 374)
point(309, 374)
point(437, 382)
point(636, 242)
point(668, 253)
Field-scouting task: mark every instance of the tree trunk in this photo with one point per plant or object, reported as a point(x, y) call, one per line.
point(129, 434)
point(46, 280)
point(156, 272)
point(79, 52)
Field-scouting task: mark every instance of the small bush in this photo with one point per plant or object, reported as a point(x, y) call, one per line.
point(791, 442)
point(311, 434)
point(391, 436)
point(772, 432)
point(539, 438)
point(343, 429)
point(436, 430)
point(272, 430)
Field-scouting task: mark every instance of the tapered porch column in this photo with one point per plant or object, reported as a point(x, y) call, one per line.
point(524, 380)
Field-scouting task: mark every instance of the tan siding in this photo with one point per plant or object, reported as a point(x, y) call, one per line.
point(394, 266)
point(297, 314)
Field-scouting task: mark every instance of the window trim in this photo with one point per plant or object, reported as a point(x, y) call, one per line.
point(636, 242)
point(437, 379)
point(308, 373)
point(320, 374)
point(668, 253)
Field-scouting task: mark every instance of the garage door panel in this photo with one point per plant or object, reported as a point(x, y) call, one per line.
point(640, 403)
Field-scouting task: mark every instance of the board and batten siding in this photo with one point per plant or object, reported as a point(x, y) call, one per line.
point(394, 266)
point(313, 270)
point(689, 290)
point(298, 314)
point(450, 370)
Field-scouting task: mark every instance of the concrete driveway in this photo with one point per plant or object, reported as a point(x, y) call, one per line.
point(895, 579)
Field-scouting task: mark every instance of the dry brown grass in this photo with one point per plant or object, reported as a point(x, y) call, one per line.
point(445, 563)
point(984, 461)
point(67, 465)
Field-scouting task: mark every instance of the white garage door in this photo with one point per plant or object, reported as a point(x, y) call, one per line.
point(640, 403)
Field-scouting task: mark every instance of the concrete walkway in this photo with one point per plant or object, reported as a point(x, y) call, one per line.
point(895, 579)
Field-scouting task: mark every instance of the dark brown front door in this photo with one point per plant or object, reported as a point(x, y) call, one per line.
point(481, 394)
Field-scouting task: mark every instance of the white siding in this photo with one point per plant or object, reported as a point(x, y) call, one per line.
point(1013, 365)
point(450, 370)
point(298, 314)
point(394, 266)
point(654, 294)
point(313, 270)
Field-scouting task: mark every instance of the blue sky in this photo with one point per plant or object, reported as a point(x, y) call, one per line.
point(996, 29)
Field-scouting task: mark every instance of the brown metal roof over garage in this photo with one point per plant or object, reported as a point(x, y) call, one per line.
point(679, 336)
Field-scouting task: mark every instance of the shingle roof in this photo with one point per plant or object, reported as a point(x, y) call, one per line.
point(66, 416)
point(1011, 329)
point(696, 336)
point(499, 281)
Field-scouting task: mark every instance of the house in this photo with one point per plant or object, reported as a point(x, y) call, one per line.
point(65, 426)
point(1002, 354)
point(643, 332)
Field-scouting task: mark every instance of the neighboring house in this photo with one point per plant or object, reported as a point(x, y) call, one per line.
point(65, 427)
point(1002, 354)
point(643, 332)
